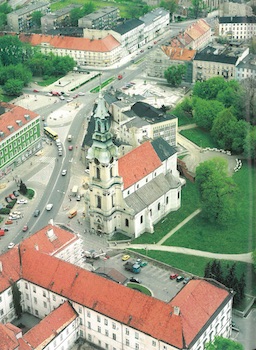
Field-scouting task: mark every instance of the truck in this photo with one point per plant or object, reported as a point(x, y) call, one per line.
point(74, 191)
point(132, 266)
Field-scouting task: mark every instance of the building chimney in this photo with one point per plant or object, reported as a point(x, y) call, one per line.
point(176, 310)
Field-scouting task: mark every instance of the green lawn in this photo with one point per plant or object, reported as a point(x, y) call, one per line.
point(199, 137)
point(238, 237)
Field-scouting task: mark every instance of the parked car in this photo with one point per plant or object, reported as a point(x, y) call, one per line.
point(62, 98)
point(8, 222)
point(125, 257)
point(36, 213)
point(120, 77)
point(173, 276)
point(10, 245)
point(179, 278)
point(69, 99)
point(8, 199)
point(12, 196)
point(16, 193)
point(64, 172)
point(78, 197)
point(49, 206)
point(22, 201)
point(186, 280)
point(25, 228)
point(70, 148)
point(81, 93)
point(134, 280)
point(14, 217)
point(35, 90)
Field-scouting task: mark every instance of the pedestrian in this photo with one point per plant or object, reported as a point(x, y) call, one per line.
point(69, 199)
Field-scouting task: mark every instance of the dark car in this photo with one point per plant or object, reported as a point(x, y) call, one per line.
point(8, 199)
point(186, 280)
point(36, 213)
point(134, 280)
point(179, 278)
point(16, 193)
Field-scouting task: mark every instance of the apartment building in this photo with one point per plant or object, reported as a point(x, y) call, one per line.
point(59, 18)
point(237, 27)
point(21, 19)
point(20, 136)
point(214, 62)
point(104, 18)
point(156, 23)
point(74, 303)
point(101, 52)
point(246, 68)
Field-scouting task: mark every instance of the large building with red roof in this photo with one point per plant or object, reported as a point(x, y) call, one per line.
point(75, 303)
point(20, 136)
point(132, 193)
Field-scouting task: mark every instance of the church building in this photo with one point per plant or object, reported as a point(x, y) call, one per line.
point(131, 193)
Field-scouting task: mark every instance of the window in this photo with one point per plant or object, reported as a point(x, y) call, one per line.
point(153, 343)
point(89, 337)
point(98, 201)
point(1, 312)
point(105, 322)
point(98, 318)
point(158, 206)
point(9, 292)
point(98, 173)
point(136, 335)
point(36, 312)
point(45, 305)
point(89, 325)
point(127, 342)
point(34, 289)
point(44, 293)
point(113, 325)
point(127, 331)
point(114, 336)
point(26, 285)
point(99, 329)
point(88, 314)
point(80, 310)
point(54, 297)
point(178, 195)
point(106, 332)
point(137, 346)
point(167, 200)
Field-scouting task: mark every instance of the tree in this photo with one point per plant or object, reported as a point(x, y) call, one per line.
point(174, 74)
point(217, 191)
point(169, 5)
point(205, 112)
point(183, 109)
point(74, 16)
point(15, 72)
point(232, 96)
point(207, 270)
point(197, 7)
point(228, 132)
point(248, 105)
point(16, 294)
point(13, 87)
point(221, 343)
point(210, 88)
point(254, 259)
point(88, 8)
point(13, 51)
point(36, 18)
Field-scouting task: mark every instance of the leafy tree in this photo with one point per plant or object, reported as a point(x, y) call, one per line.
point(16, 294)
point(15, 72)
point(13, 87)
point(210, 88)
point(88, 8)
point(205, 112)
point(169, 5)
point(13, 51)
point(248, 105)
point(217, 191)
point(254, 259)
point(250, 144)
point(207, 270)
point(174, 74)
point(221, 343)
point(74, 16)
point(197, 7)
point(184, 108)
point(228, 132)
point(232, 96)
point(23, 188)
point(36, 18)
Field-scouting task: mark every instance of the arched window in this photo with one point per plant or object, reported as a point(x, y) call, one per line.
point(167, 200)
point(98, 173)
point(158, 206)
point(126, 222)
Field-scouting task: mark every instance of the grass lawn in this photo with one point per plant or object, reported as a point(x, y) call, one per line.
point(238, 237)
point(189, 203)
point(196, 265)
point(199, 137)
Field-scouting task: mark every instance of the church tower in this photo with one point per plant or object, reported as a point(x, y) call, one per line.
point(105, 204)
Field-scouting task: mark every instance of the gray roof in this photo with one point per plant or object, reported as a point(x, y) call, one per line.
point(249, 62)
point(100, 13)
point(149, 17)
point(113, 95)
point(151, 192)
point(150, 113)
point(128, 26)
point(62, 12)
point(163, 149)
point(30, 8)
point(212, 54)
point(135, 122)
point(237, 19)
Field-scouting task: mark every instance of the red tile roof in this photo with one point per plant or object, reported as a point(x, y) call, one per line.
point(43, 242)
point(198, 29)
point(9, 268)
point(54, 323)
point(203, 297)
point(106, 44)
point(178, 53)
point(8, 339)
point(138, 163)
point(150, 315)
point(10, 117)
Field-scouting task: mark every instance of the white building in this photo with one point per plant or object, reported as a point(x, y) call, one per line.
point(156, 23)
point(74, 303)
point(237, 27)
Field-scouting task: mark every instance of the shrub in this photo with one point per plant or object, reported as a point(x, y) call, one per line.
point(11, 204)
point(5, 211)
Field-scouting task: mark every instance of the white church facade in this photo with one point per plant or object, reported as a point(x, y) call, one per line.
point(131, 193)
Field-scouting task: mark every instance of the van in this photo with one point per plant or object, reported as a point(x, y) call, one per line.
point(72, 213)
point(69, 138)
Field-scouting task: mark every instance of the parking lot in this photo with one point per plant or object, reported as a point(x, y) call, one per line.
point(153, 276)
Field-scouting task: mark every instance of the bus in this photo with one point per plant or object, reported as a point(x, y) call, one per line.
point(50, 133)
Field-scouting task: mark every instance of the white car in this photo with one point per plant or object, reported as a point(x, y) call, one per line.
point(64, 172)
point(49, 206)
point(81, 93)
point(78, 197)
point(69, 99)
point(62, 98)
point(22, 201)
point(14, 217)
point(11, 245)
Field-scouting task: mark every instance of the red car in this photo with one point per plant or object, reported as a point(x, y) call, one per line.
point(35, 90)
point(173, 276)
point(25, 228)
point(70, 147)
point(12, 196)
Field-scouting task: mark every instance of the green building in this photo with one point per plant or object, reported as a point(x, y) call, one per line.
point(20, 136)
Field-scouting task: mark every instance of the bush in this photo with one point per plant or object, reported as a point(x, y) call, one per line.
point(30, 193)
point(5, 211)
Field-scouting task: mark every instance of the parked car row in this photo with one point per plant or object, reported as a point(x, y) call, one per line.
point(12, 196)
